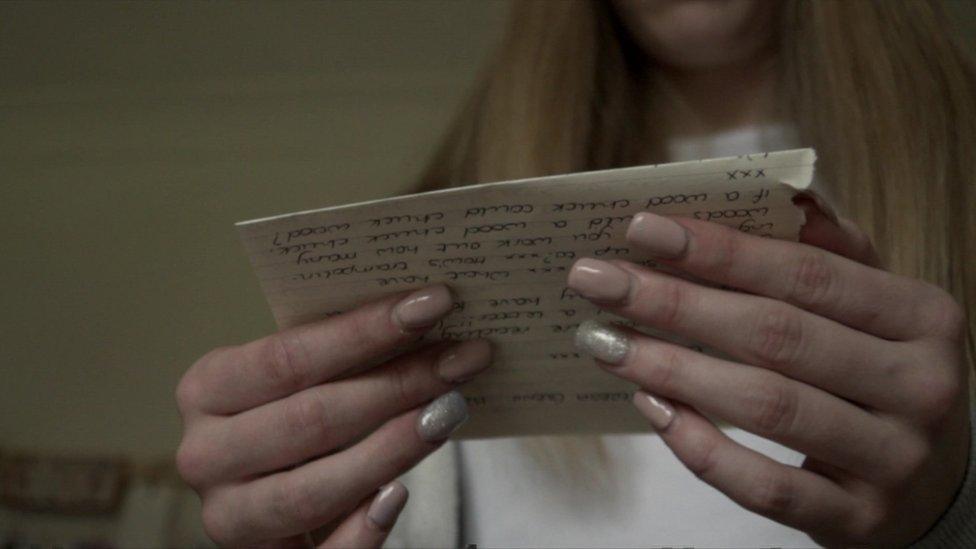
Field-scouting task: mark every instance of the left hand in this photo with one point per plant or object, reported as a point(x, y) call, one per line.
point(861, 370)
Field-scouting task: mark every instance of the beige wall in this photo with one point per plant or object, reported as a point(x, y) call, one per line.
point(133, 136)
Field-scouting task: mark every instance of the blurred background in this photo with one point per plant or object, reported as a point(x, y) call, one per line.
point(132, 137)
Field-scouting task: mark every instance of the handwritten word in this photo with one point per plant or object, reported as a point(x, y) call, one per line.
point(329, 244)
point(394, 219)
point(487, 275)
point(397, 250)
point(304, 257)
point(410, 279)
point(666, 199)
point(603, 397)
point(544, 398)
point(352, 269)
point(451, 332)
point(535, 241)
point(453, 246)
point(448, 261)
point(494, 227)
point(401, 234)
point(732, 213)
point(742, 174)
point(518, 301)
point(608, 222)
point(481, 211)
point(309, 231)
point(573, 206)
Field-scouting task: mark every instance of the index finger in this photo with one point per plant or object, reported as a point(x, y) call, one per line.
point(810, 278)
point(234, 379)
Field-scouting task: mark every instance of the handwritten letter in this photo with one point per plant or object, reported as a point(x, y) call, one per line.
point(505, 249)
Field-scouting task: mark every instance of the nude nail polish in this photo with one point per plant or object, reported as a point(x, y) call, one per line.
point(460, 362)
point(599, 280)
point(602, 341)
point(442, 417)
point(386, 506)
point(423, 308)
point(657, 410)
point(658, 235)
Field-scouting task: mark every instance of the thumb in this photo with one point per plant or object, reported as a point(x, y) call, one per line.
point(825, 230)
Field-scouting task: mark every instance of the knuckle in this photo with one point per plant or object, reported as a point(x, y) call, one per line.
point(868, 522)
point(661, 376)
point(775, 410)
point(939, 391)
point(189, 393)
point(284, 361)
point(778, 336)
point(215, 518)
point(942, 314)
point(362, 329)
point(773, 494)
point(702, 460)
point(912, 459)
point(811, 278)
point(308, 416)
point(951, 317)
point(399, 382)
point(670, 299)
point(292, 505)
point(190, 464)
point(727, 246)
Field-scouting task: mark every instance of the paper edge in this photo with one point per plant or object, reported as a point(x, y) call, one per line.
point(798, 185)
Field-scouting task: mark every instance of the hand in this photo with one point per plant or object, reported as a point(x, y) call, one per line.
point(298, 430)
point(861, 370)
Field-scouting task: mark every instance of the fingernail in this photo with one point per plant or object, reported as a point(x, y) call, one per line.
point(442, 417)
point(423, 308)
point(599, 280)
point(460, 362)
point(657, 410)
point(658, 235)
point(387, 505)
point(602, 341)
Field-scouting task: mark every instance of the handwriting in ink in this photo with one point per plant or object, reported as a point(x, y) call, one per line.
point(731, 213)
point(457, 246)
point(448, 261)
point(410, 279)
point(307, 257)
point(667, 199)
point(397, 250)
point(532, 241)
point(517, 301)
point(309, 231)
point(330, 244)
point(426, 231)
point(590, 206)
point(493, 227)
point(608, 222)
point(482, 211)
point(742, 174)
point(407, 218)
point(352, 269)
point(487, 275)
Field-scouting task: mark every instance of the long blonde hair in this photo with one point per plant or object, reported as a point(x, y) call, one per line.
point(883, 90)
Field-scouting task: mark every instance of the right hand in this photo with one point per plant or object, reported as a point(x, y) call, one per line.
point(298, 430)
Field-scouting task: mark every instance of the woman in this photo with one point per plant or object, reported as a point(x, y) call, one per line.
point(853, 355)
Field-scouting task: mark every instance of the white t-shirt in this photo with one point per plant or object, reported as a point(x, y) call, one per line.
point(644, 495)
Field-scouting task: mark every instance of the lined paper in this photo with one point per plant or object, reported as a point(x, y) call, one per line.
point(505, 250)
